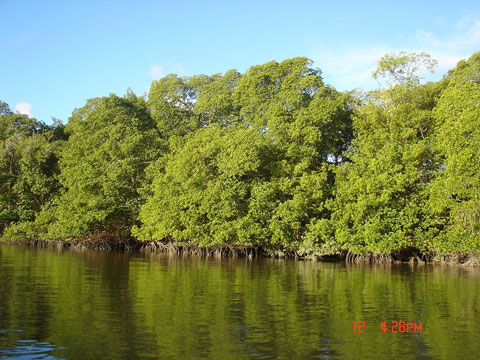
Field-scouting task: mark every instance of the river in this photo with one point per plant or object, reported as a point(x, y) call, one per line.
point(102, 305)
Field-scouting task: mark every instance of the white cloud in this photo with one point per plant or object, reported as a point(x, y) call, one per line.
point(180, 69)
point(158, 71)
point(462, 42)
point(24, 108)
point(465, 41)
point(350, 69)
point(347, 69)
point(425, 37)
point(469, 24)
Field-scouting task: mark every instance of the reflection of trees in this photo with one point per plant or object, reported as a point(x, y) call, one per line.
point(108, 305)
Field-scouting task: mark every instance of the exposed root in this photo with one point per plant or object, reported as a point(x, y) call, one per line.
point(109, 243)
point(190, 249)
point(472, 261)
point(57, 244)
point(95, 243)
point(466, 260)
point(369, 258)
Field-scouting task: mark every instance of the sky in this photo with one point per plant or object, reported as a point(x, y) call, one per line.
point(57, 54)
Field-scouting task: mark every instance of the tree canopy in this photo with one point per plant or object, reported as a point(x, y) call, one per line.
point(271, 157)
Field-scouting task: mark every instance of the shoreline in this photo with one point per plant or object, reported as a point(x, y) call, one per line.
point(412, 256)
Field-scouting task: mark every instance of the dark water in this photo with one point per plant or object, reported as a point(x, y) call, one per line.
point(98, 305)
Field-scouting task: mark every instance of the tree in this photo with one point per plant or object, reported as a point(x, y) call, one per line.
point(28, 167)
point(380, 195)
point(202, 191)
point(112, 140)
point(256, 171)
point(404, 67)
point(5, 109)
point(215, 103)
point(455, 192)
point(171, 102)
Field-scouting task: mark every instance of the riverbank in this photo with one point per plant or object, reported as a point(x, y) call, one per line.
point(411, 255)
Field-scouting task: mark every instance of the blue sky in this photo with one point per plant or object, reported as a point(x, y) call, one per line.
point(57, 54)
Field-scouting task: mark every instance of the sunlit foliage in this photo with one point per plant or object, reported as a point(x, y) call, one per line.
point(271, 157)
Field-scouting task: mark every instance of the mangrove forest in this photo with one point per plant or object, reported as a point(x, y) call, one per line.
point(272, 158)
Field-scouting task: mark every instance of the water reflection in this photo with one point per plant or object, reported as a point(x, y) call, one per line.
point(95, 305)
point(29, 349)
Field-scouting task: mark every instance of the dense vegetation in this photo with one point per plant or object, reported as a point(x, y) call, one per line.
point(272, 157)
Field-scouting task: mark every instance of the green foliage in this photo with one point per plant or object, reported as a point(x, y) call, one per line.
point(270, 157)
point(273, 93)
point(215, 103)
point(28, 164)
point(455, 192)
point(403, 67)
point(111, 141)
point(380, 196)
point(5, 109)
point(257, 172)
point(205, 186)
point(171, 101)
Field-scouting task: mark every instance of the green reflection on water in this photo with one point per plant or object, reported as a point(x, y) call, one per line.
point(92, 305)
